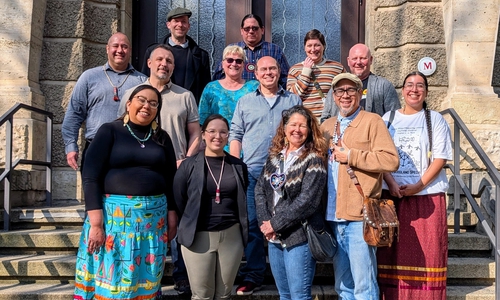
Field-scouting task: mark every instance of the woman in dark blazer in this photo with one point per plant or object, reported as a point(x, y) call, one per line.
point(210, 193)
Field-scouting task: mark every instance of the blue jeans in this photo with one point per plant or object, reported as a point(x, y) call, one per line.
point(180, 272)
point(355, 263)
point(255, 266)
point(293, 270)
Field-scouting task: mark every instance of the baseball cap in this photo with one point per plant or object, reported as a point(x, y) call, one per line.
point(355, 79)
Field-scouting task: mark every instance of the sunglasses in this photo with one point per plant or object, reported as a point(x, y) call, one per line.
point(254, 28)
point(238, 61)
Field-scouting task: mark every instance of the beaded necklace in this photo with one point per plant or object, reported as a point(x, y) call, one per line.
point(140, 141)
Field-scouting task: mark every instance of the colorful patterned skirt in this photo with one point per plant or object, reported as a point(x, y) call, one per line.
point(130, 264)
point(415, 266)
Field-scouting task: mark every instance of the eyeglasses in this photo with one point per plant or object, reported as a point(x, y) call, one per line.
point(213, 133)
point(152, 103)
point(254, 28)
point(238, 61)
point(409, 86)
point(340, 92)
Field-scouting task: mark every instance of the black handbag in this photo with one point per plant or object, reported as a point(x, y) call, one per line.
point(321, 243)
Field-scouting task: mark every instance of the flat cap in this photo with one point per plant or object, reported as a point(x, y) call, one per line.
point(348, 76)
point(178, 12)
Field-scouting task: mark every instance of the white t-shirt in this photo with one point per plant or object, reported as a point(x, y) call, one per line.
point(410, 135)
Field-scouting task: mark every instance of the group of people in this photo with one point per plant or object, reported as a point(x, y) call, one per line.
point(220, 168)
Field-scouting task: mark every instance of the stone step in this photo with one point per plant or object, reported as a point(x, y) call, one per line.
point(268, 292)
point(63, 214)
point(62, 267)
point(70, 237)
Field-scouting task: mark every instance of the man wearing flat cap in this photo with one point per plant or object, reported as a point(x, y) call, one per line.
point(360, 140)
point(192, 64)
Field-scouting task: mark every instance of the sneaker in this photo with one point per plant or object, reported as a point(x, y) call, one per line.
point(247, 288)
point(182, 287)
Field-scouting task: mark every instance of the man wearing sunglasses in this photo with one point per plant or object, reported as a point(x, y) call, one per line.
point(192, 70)
point(252, 30)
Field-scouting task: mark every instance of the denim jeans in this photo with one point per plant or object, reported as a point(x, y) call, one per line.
point(255, 266)
point(179, 273)
point(355, 263)
point(293, 270)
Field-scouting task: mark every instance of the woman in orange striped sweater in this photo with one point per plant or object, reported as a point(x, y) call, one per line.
point(312, 78)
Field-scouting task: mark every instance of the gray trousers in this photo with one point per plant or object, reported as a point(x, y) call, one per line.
point(212, 262)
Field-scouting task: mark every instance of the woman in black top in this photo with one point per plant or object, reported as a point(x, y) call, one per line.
point(127, 180)
point(211, 196)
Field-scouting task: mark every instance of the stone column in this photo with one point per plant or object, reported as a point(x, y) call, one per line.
point(71, 45)
point(471, 28)
point(21, 35)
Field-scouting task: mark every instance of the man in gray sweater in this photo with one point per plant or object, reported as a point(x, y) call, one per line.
point(379, 95)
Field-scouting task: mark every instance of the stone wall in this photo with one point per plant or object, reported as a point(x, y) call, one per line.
point(71, 45)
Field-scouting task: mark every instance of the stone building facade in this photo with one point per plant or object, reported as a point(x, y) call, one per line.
point(46, 44)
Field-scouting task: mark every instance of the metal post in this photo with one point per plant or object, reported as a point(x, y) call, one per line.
point(8, 168)
point(497, 241)
point(48, 158)
point(456, 171)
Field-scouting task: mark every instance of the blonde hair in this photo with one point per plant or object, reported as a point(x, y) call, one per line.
point(234, 49)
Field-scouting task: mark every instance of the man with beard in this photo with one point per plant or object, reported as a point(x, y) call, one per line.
point(193, 63)
point(360, 140)
point(179, 112)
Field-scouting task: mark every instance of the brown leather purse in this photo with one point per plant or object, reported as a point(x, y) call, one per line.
point(380, 222)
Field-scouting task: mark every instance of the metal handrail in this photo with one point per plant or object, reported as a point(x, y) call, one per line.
point(8, 119)
point(459, 126)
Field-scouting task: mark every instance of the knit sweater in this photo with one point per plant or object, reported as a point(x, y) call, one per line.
point(303, 190)
point(300, 82)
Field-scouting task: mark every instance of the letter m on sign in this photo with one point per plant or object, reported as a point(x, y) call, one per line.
point(428, 65)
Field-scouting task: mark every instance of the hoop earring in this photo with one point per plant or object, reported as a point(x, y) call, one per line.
point(126, 119)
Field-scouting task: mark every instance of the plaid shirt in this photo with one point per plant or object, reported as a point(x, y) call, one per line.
point(262, 49)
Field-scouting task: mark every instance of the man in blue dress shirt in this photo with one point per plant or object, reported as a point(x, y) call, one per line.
point(96, 96)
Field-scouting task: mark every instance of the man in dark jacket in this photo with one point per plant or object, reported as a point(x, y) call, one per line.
point(192, 64)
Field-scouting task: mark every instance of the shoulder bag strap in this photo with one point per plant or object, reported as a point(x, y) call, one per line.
point(391, 118)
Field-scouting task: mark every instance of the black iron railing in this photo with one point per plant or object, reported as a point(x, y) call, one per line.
point(8, 120)
point(458, 128)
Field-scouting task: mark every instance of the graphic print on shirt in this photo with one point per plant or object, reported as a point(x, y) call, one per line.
point(407, 141)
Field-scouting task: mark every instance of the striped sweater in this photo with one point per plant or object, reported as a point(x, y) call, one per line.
point(304, 188)
point(300, 82)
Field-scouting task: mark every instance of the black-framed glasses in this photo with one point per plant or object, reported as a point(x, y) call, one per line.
point(238, 61)
point(254, 28)
point(340, 92)
point(143, 100)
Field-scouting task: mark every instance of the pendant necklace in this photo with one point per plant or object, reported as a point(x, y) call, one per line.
point(115, 88)
point(217, 183)
point(140, 141)
point(337, 136)
point(278, 179)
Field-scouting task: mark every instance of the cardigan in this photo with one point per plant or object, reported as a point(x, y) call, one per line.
point(189, 182)
point(372, 153)
point(303, 190)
